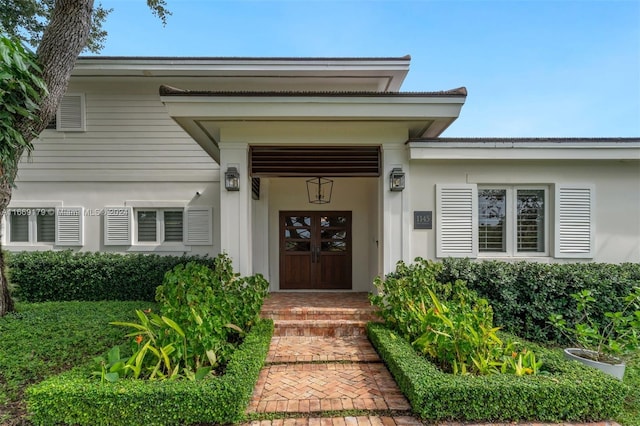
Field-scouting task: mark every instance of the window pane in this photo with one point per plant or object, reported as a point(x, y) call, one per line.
point(173, 226)
point(19, 227)
point(530, 220)
point(492, 220)
point(147, 226)
point(46, 226)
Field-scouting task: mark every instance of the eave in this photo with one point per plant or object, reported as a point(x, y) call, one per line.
point(386, 74)
point(203, 114)
point(525, 149)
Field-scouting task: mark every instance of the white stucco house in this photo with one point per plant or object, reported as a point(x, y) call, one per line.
point(319, 173)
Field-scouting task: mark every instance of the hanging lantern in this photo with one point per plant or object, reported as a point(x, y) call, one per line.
point(319, 190)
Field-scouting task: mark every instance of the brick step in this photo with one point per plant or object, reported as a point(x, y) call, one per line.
point(319, 314)
point(324, 328)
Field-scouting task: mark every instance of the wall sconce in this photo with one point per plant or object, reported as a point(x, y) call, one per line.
point(396, 179)
point(319, 190)
point(232, 179)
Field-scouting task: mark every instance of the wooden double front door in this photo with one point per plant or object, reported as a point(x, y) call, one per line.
point(315, 250)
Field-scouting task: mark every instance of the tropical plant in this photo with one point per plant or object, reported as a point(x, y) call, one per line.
point(611, 341)
point(214, 306)
point(448, 323)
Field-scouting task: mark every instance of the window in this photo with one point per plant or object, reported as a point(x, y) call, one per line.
point(30, 225)
point(62, 226)
point(150, 224)
point(159, 226)
point(511, 220)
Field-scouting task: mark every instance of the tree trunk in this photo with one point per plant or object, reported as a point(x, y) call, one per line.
point(6, 303)
point(62, 41)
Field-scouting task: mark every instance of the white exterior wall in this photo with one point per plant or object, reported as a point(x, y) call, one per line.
point(616, 187)
point(132, 153)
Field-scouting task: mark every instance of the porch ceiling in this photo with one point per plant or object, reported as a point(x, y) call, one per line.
point(204, 114)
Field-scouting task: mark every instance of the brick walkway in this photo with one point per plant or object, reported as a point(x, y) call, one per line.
point(314, 374)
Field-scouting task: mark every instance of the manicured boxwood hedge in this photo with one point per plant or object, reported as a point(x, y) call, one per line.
point(571, 392)
point(76, 399)
point(524, 294)
point(48, 276)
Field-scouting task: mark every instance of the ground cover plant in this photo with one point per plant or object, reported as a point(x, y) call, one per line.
point(43, 339)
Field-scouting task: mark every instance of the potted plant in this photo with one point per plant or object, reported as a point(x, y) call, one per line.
point(602, 345)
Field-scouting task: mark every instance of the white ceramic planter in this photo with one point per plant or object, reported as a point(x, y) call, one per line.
point(615, 370)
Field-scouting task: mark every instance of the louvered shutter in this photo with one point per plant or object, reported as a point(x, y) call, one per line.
point(198, 226)
point(574, 227)
point(457, 220)
point(117, 226)
point(69, 224)
point(71, 113)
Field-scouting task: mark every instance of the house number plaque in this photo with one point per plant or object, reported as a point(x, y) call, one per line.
point(422, 220)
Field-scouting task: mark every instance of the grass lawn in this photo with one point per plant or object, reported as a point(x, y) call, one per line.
point(43, 339)
point(631, 414)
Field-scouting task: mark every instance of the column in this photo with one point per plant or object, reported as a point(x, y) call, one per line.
point(235, 209)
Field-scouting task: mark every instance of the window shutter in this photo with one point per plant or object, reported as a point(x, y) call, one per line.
point(198, 224)
point(117, 226)
point(69, 221)
point(70, 116)
point(457, 220)
point(574, 227)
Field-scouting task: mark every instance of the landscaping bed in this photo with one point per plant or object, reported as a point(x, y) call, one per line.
point(75, 398)
point(564, 391)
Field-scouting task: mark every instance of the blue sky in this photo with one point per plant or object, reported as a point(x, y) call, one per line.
point(556, 68)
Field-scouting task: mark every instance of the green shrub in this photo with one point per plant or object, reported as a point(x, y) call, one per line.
point(448, 322)
point(524, 294)
point(211, 304)
point(74, 398)
point(65, 275)
point(204, 314)
point(568, 391)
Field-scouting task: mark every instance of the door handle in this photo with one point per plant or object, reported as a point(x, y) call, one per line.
point(318, 254)
point(313, 254)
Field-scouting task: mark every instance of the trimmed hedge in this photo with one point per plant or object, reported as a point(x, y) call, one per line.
point(571, 392)
point(46, 276)
point(74, 398)
point(524, 294)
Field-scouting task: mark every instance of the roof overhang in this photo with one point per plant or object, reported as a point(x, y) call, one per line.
point(203, 114)
point(380, 74)
point(525, 149)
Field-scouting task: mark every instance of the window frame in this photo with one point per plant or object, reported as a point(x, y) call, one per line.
point(160, 226)
point(511, 219)
point(32, 214)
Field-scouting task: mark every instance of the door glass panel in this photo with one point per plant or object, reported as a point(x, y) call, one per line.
point(333, 246)
point(300, 233)
point(297, 246)
point(297, 221)
point(326, 221)
point(334, 234)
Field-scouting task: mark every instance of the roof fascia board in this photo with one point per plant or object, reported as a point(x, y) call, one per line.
point(395, 69)
point(524, 151)
point(314, 107)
